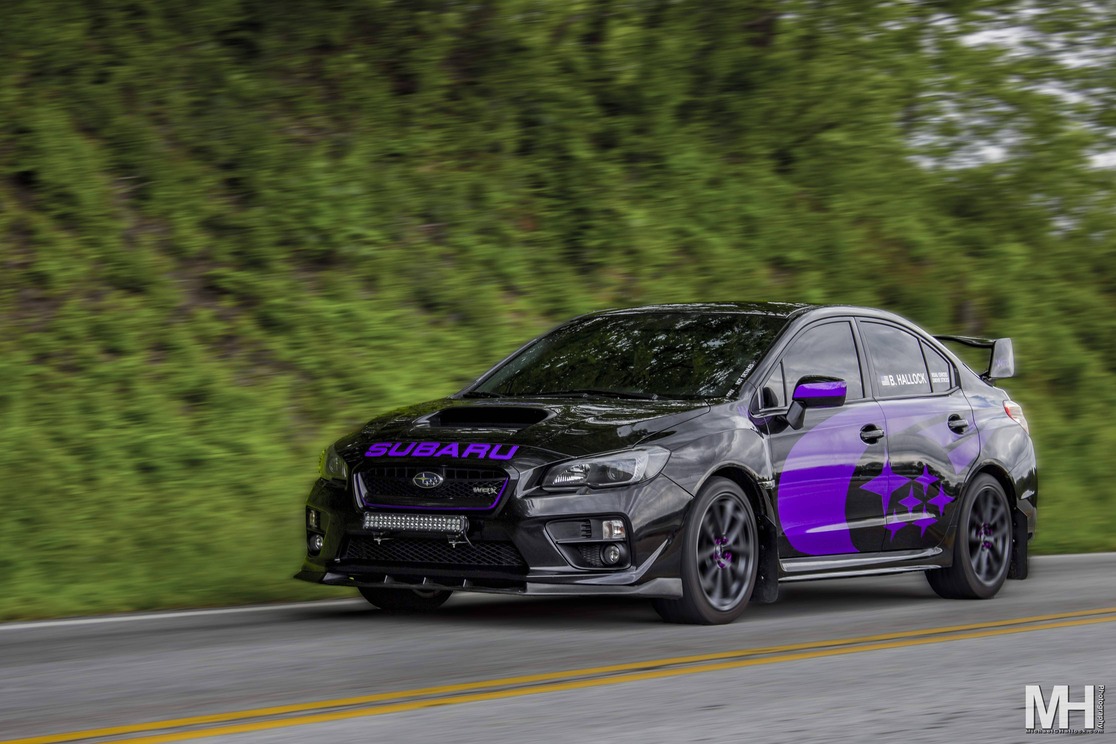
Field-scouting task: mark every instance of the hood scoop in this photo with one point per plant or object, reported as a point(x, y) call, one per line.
point(488, 417)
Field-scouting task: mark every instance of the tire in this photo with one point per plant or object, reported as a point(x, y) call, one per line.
point(981, 545)
point(404, 600)
point(720, 558)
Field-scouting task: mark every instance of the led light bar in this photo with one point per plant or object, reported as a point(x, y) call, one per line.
point(416, 523)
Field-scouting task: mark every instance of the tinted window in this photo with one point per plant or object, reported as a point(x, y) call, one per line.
point(941, 371)
point(670, 355)
point(897, 360)
point(827, 349)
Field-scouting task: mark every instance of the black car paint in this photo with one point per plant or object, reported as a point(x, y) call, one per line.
point(728, 437)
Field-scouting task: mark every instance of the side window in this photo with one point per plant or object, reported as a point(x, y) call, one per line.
point(942, 376)
point(827, 349)
point(896, 360)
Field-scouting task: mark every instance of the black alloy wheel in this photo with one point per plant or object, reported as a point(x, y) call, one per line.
point(982, 544)
point(719, 557)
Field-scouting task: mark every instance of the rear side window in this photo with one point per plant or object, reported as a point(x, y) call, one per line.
point(897, 360)
point(942, 376)
point(827, 349)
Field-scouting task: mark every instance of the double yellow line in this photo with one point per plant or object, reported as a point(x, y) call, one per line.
point(324, 711)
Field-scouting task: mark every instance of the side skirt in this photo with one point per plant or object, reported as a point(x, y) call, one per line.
point(860, 564)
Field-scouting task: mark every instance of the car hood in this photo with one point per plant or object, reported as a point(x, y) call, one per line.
point(551, 428)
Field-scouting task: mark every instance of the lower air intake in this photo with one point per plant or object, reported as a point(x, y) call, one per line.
point(434, 553)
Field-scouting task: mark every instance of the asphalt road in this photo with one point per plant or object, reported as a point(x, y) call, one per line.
point(851, 660)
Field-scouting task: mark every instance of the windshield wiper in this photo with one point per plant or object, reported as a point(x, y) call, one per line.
point(480, 394)
point(586, 392)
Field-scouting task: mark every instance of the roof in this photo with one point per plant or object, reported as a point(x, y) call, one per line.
point(778, 309)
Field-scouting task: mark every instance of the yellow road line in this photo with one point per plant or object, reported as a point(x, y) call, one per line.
point(582, 684)
point(565, 680)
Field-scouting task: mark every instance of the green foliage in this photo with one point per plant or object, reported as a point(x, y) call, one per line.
point(232, 230)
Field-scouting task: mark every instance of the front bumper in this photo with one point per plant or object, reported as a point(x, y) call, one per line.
point(654, 588)
point(652, 511)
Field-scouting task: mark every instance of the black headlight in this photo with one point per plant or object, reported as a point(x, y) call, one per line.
point(331, 466)
point(622, 468)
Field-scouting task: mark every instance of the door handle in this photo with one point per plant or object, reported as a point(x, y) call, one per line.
point(957, 423)
point(871, 433)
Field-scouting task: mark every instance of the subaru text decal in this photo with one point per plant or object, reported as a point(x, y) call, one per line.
point(438, 449)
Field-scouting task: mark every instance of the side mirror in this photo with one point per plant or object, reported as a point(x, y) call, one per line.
point(815, 391)
point(1002, 364)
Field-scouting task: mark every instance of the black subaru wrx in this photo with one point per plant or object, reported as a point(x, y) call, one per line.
point(698, 455)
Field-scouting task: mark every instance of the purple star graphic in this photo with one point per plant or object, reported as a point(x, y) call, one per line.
point(925, 480)
point(940, 501)
point(925, 520)
point(911, 501)
point(885, 484)
point(894, 525)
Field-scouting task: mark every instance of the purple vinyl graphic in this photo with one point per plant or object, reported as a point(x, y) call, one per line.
point(819, 470)
point(814, 487)
point(921, 501)
point(915, 499)
point(821, 389)
point(473, 450)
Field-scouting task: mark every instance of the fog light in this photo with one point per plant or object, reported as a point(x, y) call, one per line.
point(314, 544)
point(611, 555)
point(613, 529)
point(312, 518)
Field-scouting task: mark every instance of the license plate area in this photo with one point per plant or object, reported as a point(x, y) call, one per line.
point(437, 524)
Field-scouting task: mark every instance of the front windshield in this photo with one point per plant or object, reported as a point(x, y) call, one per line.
point(659, 355)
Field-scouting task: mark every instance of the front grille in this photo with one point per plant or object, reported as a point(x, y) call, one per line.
point(472, 489)
point(433, 553)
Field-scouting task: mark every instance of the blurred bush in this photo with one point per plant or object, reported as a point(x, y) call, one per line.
point(232, 230)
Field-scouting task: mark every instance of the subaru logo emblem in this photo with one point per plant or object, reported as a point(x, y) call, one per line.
point(426, 479)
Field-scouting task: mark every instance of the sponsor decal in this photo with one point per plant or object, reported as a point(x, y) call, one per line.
point(443, 449)
point(900, 380)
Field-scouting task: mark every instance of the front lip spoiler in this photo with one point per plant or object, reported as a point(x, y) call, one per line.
point(655, 588)
point(622, 583)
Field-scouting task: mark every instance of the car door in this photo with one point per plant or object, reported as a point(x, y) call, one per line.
point(820, 467)
point(931, 435)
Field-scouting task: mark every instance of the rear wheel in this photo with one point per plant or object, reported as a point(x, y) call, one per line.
point(720, 552)
point(404, 600)
point(981, 547)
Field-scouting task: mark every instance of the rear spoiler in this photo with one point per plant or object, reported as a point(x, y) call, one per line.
point(1001, 360)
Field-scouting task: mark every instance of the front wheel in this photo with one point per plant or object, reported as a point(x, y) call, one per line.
point(981, 547)
point(404, 600)
point(720, 553)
